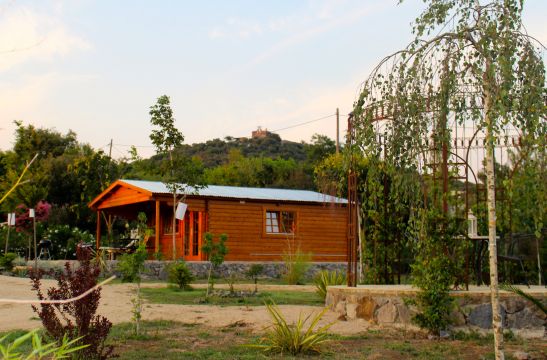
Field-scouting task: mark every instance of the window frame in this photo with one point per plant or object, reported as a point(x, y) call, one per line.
point(280, 211)
point(167, 221)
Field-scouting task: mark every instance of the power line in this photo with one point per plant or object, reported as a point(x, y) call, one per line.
point(273, 131)
point(138, 146)
point(304, 123)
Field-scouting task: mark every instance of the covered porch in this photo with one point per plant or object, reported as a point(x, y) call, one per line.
point(122, 201)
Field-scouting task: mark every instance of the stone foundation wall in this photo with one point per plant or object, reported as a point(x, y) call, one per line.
point(388, 305)
point(156, 270)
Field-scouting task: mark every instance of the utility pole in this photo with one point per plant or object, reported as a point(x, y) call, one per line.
point(110, 151)
point(337, 131)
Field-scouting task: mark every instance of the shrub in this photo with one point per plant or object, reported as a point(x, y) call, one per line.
point(253, 272)
point(6, 261)
point(435, 269)
point(64, 239)
point(76, 319)
point(328, 278)
point(180, 275)
point(131, 266)
point(215, 253)
point(293, 338)
point(296, 264)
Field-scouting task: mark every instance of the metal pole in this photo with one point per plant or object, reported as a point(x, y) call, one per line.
point(35, 252)
point(337, 131)
point(7, 237)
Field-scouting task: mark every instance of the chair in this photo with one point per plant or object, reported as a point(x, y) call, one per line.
point(44, 246)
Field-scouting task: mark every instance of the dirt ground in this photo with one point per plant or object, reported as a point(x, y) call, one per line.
point(116, 306)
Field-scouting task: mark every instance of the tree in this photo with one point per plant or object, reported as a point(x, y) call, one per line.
point(321, 146)
point(180, 174)
point(481, 67)
point(215, 252)
point(132, 265)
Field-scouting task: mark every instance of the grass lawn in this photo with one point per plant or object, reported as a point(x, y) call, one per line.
point(172, 295)
point(176, 340)
point(171, 340)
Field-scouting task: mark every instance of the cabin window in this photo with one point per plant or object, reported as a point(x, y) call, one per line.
point(168, 224)
point(280, 222)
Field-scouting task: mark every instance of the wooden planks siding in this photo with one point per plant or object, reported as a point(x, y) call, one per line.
point(320, 229)
point(122, 196)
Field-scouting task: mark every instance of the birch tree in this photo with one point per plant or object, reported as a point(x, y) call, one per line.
point(470, 61)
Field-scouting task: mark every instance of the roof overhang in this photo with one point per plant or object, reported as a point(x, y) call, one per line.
point(118, 194)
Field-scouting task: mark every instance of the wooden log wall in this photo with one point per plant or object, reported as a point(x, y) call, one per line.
point(320, 229)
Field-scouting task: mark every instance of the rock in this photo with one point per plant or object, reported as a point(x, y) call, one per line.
point(521, 355)
point(404, 314)
point(444, 334)
point(366, 309)
point(457, 318)
point(387, 313)
point(525, 319)
point(513, 305)
point(481, 316)
point(351, 311)
point(340, 308)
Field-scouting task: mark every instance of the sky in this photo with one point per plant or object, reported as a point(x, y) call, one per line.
point(96, 67)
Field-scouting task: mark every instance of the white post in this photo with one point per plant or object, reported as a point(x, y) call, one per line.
point(33, 216)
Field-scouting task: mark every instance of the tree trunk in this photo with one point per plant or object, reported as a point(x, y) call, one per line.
point(492, 246)
point(538, 250)
point(209, 284)
point(138, 310)
point(174, 231)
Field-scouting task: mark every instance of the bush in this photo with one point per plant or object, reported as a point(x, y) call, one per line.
point(180, 275)
point(294, 339)
point(64, 239)
point(435, 269)
point(6, 261)
point(328, 278)
point(131, 265)
point(296, 265)
point(215, 252)
point(253, 272)
point(76, 319)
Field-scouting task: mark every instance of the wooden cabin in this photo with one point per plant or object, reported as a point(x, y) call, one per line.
point(260, 223)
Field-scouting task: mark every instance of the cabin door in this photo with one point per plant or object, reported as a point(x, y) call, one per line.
point(194, 227)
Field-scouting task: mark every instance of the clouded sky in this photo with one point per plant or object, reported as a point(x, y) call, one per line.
point(229, 66)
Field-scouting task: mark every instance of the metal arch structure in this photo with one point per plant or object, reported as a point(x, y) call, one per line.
point(454, 164)
point(353, 208)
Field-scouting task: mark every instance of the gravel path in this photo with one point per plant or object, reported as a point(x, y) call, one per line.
point(116, 306)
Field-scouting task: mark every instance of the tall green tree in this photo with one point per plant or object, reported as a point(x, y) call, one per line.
point(471, 61)
point(180, 174)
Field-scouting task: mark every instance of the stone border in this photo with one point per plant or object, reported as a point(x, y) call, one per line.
point(388, 305)
point(156, 270)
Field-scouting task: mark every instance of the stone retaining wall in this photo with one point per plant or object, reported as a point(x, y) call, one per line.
point(156, 270)
point(387, 305)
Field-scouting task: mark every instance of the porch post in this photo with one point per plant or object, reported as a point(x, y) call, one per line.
point(98, 233)
point(157, 242)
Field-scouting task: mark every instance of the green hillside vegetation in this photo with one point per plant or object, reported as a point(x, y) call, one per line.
point(68, 174)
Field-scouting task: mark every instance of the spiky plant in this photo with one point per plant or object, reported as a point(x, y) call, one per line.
point(328, 278)
point(294, 338)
